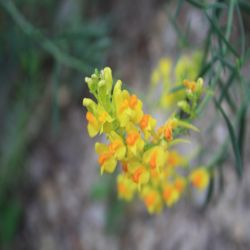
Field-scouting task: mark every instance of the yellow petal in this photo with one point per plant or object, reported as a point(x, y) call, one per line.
point(109, 165)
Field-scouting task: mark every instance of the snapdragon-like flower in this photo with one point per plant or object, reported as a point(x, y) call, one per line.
point(150, 166)
point(199, 178)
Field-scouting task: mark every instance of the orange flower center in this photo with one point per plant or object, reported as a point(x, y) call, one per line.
point(154, 173)
point(190, 85)
point(167, 192)
point(153, 160)
point(130, 102)
point(168, 133)
point(90, 117)
point(137, 174)
point(132, 138)
point(133, 101)
point(197, 180)
point(104, 157)
point(114, 146)
point(150, 199)
point(122, 188)
point(144, 121)
point(179, 184)
point(172, 159)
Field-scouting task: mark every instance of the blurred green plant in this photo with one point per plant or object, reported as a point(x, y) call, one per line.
point(31, 61)
point(225, 54)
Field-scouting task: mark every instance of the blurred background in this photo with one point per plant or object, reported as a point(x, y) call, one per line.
point(51, 193)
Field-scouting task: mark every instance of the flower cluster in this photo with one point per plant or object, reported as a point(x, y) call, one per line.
point(148, 164)
point(170, 76)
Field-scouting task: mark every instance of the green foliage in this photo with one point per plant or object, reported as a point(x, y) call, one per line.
point(101, 189)
point(31, 60)
point(223, 60)
point(10, 218)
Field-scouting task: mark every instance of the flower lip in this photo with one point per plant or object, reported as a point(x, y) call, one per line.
point(144, 121)
point(153, 160)
point(114, 146)
point(132, 138)
point(90, 117)
point(133, 100)
point(138, 172)
point(150, 199)
point(168, 133)
point(104, 157)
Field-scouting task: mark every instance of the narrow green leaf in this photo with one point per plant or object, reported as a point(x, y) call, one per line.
point(182, 38)
point(216, 5)
point(224, 90)
point(221, 179)
point(227, 64)
point(230, 17)
point(198, 4)
point(244, 5)
point(242, 32)
point(210, 191)
point(242, 127)
point(207, 66)
point(226, 94)
point(217, 30)
point(234, 141)
point(176, 88)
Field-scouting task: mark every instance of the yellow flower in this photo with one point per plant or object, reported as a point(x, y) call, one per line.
point(155, 77)
point(152, 199)
point(106, 159)
point(139, 173)
point(190, 85)
point(180, 184)
point(165, 67)
point(148, 168)
point(173, 123)
point(188, 67)
point(128, 107)
point(93, 125)
point(174, 159)
point(155, 157)
point(147, 124)
point(162, 72)
point(169, 100)
point(125, 187)
point(99, 120)
point(109, 154)
point(170, 194)
point(134, 141)
point(117, 147)
point(199, 178)
point(168, 132)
